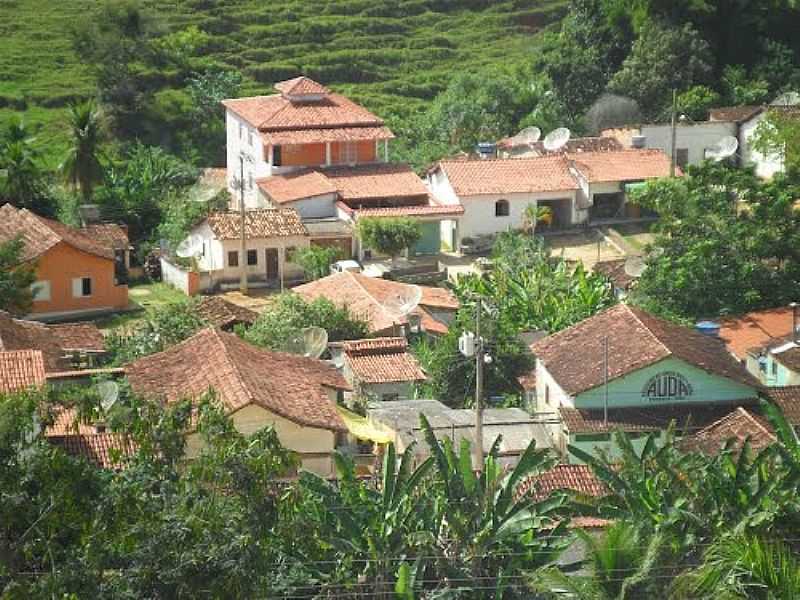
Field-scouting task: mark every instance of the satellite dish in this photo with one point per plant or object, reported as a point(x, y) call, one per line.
point(556, 139)
point(405, 300)
point(723, 149)
point(108, 392)
point(189, 247)
point(529, 135)
point(315, 341)
point(635, 266)
point(787, 99)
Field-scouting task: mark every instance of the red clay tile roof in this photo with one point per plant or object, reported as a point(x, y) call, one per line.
point(636, 339)
point(291, 386)
point(755, 329)
point(527, 381)
point(689, 417)
point(382, 360)
point(54, 341)
point(301, 86)
point(261, 223)
point(789, 358)
point(582, 144)
point(221, 313)
point(97, 448)
point(376, 181)
point(623, 165)
point(735, 114)
point(576, 478)
point(614, 270)
point(40, 235)
point(738, 425)
point(410, 211)
point(296, 186)
point(21, 369)
point(110, 235)
point(788, 399)
point(509, 175)
point(320, 136)
point(82, 337)
point(364, 296)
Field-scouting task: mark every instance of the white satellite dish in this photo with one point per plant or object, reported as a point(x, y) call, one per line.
point(529, 135)
point(787, 99)
point(108, 392)
point(724, 148)
point(315, 341)
point(556, 139)
point(405, 300)
point(635, 266)
point(190, 247)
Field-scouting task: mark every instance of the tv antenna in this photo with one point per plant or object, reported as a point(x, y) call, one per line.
point(109, 393)
point(528, 136)
point(556, 139)
point(311, 342)
point(723, 149)
point(635, 266)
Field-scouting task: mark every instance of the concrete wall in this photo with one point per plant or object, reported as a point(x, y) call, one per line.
point(245, 139)
point(304, 440)
point(309, 208)
point(765, 165)
point(59, 267)
point(695, 137)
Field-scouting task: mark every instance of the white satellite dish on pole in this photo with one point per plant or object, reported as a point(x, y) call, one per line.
point(635, 266)
point(315, 341)
point(556, 139)
point(724, 148)
point(402, 302)
point(528, 136)
point(109, 393)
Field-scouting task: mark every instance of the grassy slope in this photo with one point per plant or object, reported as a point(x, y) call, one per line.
point(393, 55)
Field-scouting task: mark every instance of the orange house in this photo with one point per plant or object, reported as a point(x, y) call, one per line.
point(75, 273)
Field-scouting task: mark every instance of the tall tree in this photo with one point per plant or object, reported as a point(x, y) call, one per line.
point(81, 166)
point(22, 181)
point(16, 278)
point(388, 236)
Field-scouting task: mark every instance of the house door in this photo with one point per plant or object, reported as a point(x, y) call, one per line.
point(272, 263)
point(430, 240)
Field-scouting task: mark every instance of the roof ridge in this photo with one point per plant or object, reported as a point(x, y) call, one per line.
point(232, 363)
point(373, 298)
point(649, 331)
point(750, 417)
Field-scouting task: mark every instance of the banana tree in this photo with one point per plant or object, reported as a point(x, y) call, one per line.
point(369, 531)
point(488, 533)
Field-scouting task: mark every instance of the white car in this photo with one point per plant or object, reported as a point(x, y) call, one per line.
point(340, 266)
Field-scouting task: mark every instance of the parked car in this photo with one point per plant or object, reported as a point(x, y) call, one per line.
point(340, 266)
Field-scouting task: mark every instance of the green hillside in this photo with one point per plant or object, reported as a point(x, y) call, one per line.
point(393, 55)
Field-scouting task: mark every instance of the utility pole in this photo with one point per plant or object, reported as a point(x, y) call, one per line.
point(242, 231)
point(672, 150)
point(793, 306)
point(478, 390)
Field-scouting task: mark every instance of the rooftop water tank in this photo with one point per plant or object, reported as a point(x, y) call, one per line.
point(638, 141)
point(709, 328)
point(487, 150)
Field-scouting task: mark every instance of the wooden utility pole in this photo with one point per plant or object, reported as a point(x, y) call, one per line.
point(479, 358)
point(242, 231)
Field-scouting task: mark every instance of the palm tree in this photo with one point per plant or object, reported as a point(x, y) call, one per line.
point(620, 562)
point(535, 214)
point(81, 166)
point(743, 566)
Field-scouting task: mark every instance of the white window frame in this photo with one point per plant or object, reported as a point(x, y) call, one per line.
point(77, 287)
point(348, 153)
point(41, 291)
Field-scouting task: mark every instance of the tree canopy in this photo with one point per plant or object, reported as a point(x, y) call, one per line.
point(16, 278)
point(389, 236)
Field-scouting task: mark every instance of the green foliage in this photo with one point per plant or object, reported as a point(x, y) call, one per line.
point(662, 58)
point(15, 278)
point(696, 101)
point(778, 136)
point(723, 227)
point(81, 166)
point(388, 236)
point(283, 321)
point(23, 181)
point(316, 261)
point(163, 327)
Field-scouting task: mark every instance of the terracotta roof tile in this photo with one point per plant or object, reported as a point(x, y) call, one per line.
point(636, 339)
point(110, 235)
point(221, 313)
point(422, 210)
point(624, 165)
point(788, 399)
point(789, 358)
point(576, 478)
point(261, 223)
point(300, 86)
point(755, 329)
point(291, 386)
point(734, 114)
point(509, 175)
point(321, 135)
point(296, 186)
point(614, 270)
point(581, 144)
point(99, 449)
point(40, 235)
point(649, 418)
point(365, 296)
point(21, 369)
point(54, 341)
point(382, 360)
point(377, 181)
point(738, 425)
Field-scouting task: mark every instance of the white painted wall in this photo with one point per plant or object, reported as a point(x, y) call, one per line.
point(242, 138)
point(479, 211)
point(317, 207)
point(695, 137)
point(765, 166)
